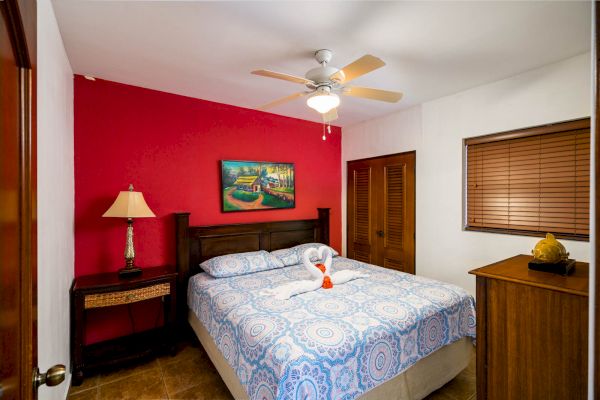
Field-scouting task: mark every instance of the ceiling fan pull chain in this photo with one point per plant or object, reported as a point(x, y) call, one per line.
point(324, 137)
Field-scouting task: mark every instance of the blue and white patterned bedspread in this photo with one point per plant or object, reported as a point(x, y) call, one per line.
point(328, 344)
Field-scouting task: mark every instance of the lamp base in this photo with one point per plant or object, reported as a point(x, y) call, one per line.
point(129, 272)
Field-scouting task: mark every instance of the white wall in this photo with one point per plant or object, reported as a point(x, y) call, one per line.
point(444, 251)
point(394, 133)
point(56, 191)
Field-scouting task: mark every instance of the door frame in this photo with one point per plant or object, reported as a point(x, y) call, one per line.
point(404, 153)
point(20, 17)
point(595, 308)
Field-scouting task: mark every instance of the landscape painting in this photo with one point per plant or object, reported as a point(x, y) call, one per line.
point(253, 185)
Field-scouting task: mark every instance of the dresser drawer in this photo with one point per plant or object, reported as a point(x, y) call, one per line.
point(127, 296)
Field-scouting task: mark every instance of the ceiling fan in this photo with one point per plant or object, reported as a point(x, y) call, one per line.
point(324, 83)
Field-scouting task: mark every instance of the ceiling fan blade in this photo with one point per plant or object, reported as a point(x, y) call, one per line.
point(373, 94)
point(282, 100)
point(330, 115)
point(282, 76)
point(362, 66)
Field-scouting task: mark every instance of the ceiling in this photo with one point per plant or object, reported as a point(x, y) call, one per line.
point(207, 49)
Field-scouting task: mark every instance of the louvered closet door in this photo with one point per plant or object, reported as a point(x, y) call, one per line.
point(361, 218)
point(396, 213)
point(381, 211)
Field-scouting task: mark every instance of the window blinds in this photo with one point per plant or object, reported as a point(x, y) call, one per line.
point(530, 182)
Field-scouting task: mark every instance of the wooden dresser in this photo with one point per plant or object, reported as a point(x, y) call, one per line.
point(531, 332)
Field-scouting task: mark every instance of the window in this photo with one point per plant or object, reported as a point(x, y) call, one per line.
point(530, 181)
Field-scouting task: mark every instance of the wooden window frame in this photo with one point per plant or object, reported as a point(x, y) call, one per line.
point(582, 123)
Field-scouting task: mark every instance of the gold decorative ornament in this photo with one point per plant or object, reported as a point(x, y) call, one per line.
point(549, 250)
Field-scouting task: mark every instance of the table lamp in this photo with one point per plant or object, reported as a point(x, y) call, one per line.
point(129, 204)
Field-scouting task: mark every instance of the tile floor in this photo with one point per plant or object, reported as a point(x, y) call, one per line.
point(191, 375)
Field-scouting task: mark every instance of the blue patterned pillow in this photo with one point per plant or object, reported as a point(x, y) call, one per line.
point(240, 264)
point(293, 255)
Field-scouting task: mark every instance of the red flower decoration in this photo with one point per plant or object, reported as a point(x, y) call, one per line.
point(321, 267)
point(327, 283)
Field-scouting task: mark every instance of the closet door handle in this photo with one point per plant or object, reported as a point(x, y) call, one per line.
point(380, 233)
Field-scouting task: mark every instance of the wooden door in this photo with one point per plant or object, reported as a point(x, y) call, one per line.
point(17, 199)
point(381, 211)
point(396, 213)
point(361, 220)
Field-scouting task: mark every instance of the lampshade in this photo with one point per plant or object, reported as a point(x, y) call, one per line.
point(129, 204)
point(323, 102)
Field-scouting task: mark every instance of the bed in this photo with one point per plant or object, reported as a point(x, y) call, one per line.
point(392, 335)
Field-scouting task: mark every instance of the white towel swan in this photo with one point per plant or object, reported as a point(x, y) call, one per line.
point(324, 253)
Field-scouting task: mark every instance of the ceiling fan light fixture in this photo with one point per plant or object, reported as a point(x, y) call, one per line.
point(323, 102)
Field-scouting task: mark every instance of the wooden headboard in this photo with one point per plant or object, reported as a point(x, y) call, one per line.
point(195, 244)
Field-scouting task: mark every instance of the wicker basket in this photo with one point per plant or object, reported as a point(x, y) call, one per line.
point(126, 297)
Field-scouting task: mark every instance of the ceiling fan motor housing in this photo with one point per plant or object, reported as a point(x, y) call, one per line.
point(320, 75)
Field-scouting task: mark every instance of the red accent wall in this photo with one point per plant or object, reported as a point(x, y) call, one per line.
point(169, 147)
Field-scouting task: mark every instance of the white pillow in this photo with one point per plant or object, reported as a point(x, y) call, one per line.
point(240, 264)
point(293, 255)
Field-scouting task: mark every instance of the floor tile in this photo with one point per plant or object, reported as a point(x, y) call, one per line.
point(88, 383)
point(147, 385)
point(182, 375)
point(132, 369)
point(88, 394)
point(184, 352)
point(212, 391)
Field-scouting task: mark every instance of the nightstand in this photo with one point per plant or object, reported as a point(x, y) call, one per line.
point(108, 290)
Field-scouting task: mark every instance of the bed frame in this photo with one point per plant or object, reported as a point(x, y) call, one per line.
point(198, 243)
point(195, 244)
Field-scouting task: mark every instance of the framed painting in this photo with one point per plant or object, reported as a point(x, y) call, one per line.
point(257, 185)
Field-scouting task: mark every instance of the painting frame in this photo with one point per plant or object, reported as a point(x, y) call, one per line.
point(263, 185)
